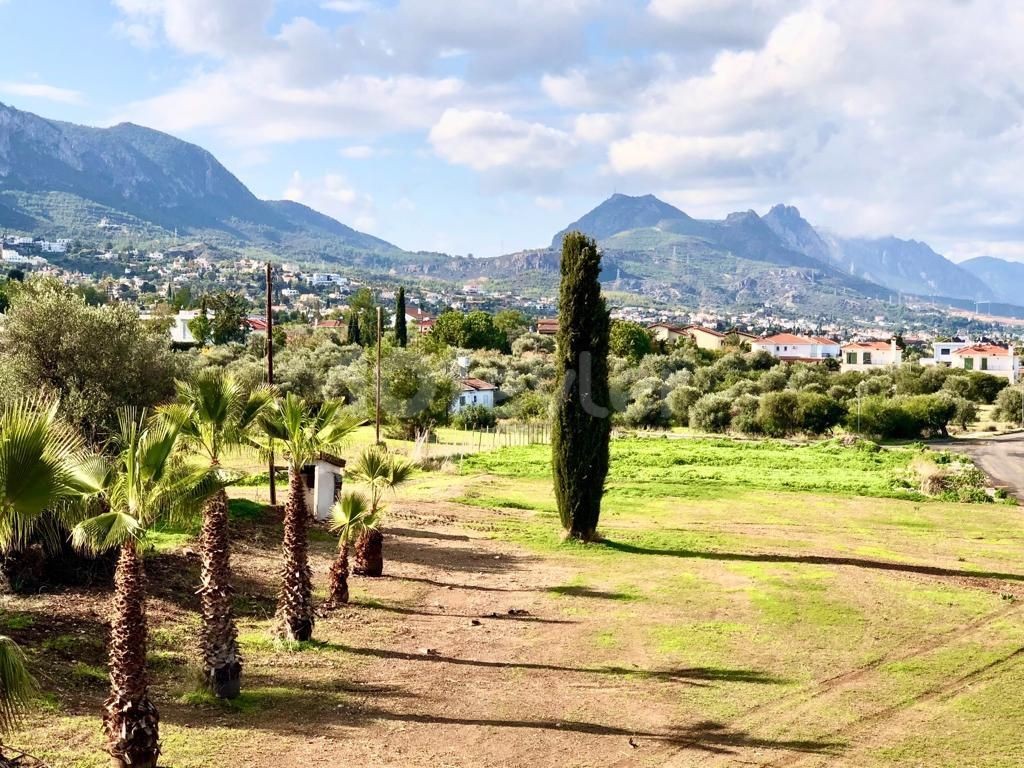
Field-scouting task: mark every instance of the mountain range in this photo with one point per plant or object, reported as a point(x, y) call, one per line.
point(61, 179)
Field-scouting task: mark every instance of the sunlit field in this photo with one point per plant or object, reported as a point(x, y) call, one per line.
point(751, 603)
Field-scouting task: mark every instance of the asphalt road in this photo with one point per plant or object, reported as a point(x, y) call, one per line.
point(1002, 458)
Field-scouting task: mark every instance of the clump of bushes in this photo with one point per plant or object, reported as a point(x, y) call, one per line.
point(475, 417)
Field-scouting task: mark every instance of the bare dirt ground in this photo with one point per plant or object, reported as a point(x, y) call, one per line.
point(476, 652)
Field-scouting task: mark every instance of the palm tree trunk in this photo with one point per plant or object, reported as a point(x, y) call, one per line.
point(222, 664)
point(295, 600)
point(130, 719)
point(370, 554)
point(339, 579)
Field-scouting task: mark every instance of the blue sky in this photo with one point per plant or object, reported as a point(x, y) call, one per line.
point(478, 126)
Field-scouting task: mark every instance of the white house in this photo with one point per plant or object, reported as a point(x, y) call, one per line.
point(323, 480)
point(474, 392)
point(870, 355)
point(988, 358)
point(789, 346)
point(943, 351)
point(180, 332)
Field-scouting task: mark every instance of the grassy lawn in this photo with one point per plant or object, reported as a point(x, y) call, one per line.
point(752, 603)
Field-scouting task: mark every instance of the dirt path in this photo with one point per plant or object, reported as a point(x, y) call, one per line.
point(1001, 458)
point(466, 659)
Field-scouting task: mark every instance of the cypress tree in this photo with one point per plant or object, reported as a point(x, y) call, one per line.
point(353, 328)
point(582, 420)
point(401, 333)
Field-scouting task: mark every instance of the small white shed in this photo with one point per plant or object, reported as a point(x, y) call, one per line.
point(323, 480)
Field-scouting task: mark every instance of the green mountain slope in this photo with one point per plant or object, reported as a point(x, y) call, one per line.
point(64, 179)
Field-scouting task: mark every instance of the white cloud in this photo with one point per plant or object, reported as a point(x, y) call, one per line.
point(669, 154)
point(251, 108)
point(42, 91)
point(876, 115)
point(358, 152)
point(347, 6)
point(217, 27)
point(332, 194)
point(484, 140)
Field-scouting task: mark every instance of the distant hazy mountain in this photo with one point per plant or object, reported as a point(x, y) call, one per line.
point(623, 213)
point(901, 265)
point(61, 178)
point(740, 260)
point(1004, 278)
point(797, 233)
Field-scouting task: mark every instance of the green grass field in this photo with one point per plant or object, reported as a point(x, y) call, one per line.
point(751, 603)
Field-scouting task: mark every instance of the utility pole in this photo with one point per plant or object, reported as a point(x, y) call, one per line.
point(379, 322)
point(270, 369)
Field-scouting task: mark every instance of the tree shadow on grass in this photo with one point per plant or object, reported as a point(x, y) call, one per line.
point(466, 559)
point(700, 677)
point(317, 710)
point(416, 533)
point(450, 585)
point(856, 562)
point(405, 611)
point(579, 591)
point(706, 736)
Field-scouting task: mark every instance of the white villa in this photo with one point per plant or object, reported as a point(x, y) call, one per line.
point(943, 351)
point(789, 346)
point(474, 392)
point(988, 358)
point(870, 355)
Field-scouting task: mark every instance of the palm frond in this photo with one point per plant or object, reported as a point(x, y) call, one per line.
point(37, 455)
point(348, 515)
point(105, 531)
point(16, 684)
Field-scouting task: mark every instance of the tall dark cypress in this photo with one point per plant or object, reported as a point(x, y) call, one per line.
point(401, 332)
point(353, 328)
point(582, 421)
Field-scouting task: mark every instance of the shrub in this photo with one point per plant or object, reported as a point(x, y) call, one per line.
point(818, 413)
point(930, 414)
point(711, 413)
point(1008, 405)
point(680, 400)
point(744, 415)
point(778, 413)
point(629, 340)
point(774, 380)
point(475, 417)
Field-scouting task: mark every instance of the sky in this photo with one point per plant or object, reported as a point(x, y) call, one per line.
point(485, 126)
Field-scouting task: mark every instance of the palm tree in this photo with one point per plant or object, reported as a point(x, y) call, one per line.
point(350, 517)
point(16, 685)
point(144, 482)
point(215, 413)
point(380, 471)
point(305, 433)
point(39, 459)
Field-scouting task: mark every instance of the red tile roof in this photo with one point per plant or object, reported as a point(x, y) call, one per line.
point(547, 325)
point(475, 385)
point(983, 350)
point(332, 324)
point(701, 328)
point(787, 339)
point(881, 346)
